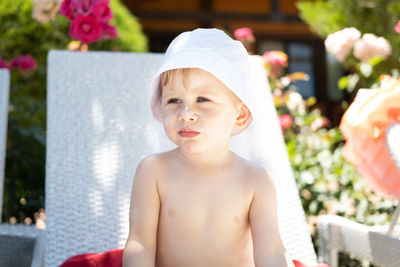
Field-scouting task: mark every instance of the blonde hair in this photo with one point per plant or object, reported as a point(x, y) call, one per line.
point(168, 76)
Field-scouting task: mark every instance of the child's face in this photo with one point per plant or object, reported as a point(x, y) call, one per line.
point(202, 116)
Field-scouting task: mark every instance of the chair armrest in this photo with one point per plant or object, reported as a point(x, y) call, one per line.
point(14, 237)
point(336, 234)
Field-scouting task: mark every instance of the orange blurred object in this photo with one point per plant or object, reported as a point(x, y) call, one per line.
point(364, 128)
point(298, 76)
point(77, 46)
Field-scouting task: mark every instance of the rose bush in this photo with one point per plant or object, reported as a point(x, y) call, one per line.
point(341, 42)
point(89, 19)
point(85, 29)
point(326, 182)
point(371, 46)
point(376, 53)
point(347, 46)
point(25, 42)
point(245, 35)
point(23, 63)
point(340, 21)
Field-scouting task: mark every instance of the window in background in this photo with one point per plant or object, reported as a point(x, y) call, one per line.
point(301, 60)
point(334, 71)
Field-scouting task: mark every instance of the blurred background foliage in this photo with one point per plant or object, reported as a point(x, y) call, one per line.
point(327, 183)
point(368, 16)
point(26, 135)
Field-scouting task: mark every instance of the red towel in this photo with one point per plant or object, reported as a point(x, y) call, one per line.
point(300, 264)
point(113, 258)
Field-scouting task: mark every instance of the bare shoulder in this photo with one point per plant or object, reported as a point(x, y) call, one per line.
point(153, 163)
point(152, 170)
point(255, 174)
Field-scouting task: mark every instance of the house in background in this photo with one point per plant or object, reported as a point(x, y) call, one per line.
point(275, 24)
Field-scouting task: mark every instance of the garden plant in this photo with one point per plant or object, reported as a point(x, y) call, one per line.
point(28, 31)
point(327, 183)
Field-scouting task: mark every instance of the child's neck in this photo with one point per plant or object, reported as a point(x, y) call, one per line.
point(209, 159)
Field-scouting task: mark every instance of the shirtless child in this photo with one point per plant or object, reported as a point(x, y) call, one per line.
point(200, 204)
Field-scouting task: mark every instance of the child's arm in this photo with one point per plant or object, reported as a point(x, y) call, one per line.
point(140, 248)
point(267, 244)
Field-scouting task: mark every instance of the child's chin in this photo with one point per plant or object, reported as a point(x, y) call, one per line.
point(191, 148)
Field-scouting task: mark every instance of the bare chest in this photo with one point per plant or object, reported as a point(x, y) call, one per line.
point(193, 204)
point(204, 220)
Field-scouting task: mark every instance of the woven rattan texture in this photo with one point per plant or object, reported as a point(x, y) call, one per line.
point(4, 96)
point(364, 242)
point(99, 126)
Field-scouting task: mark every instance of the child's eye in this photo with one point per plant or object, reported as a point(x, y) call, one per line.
point(202, 99)
point(173, 101)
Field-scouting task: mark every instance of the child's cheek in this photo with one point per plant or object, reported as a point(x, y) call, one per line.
point(169, 129)
point(168, 123)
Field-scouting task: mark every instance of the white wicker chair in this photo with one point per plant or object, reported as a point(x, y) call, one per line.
point(20, 245)
point(99, 126)
point(4, 96)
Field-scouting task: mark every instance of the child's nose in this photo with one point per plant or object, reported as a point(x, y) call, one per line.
point(187, 114)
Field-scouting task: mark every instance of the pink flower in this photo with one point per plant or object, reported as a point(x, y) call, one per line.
point(242, 33)
point(275, 58)
point(23, 62)
point(89, 19)
point(397, 27)
point(102, 11)
point(85, 29)
point(285, 121)
point(68, 9)
point(370, 46)
point(274, 61)
point(341, 42)
point(4, 64)
point(109, 31)
point(320, 122)
point(85, 7)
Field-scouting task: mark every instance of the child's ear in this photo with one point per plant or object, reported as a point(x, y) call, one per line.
point(241, 119)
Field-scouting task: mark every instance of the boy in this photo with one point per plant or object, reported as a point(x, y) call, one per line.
point(200, 204)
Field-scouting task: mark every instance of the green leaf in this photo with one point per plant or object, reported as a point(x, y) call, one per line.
point(375, 60)
point(343, 82)
point(323, 17)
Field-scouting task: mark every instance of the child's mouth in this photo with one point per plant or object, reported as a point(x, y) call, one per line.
point(188, 134)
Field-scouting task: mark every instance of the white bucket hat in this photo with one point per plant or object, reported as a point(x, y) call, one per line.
point(213, 51)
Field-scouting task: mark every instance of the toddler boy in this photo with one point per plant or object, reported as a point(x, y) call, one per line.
point(200, 204)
